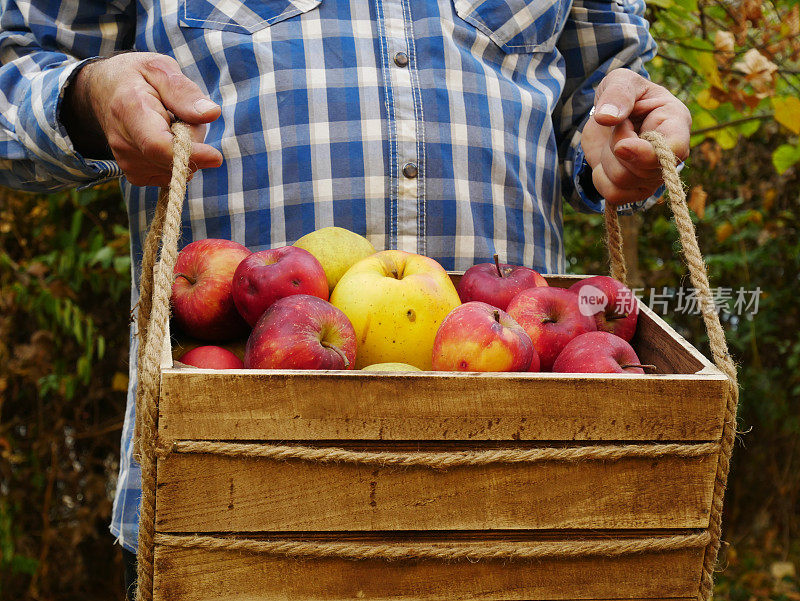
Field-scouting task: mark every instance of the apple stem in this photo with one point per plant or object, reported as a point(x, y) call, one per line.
point(497, 265)
point(337, 350)
point(497, 315)
point(642, 365)
point(192, 281)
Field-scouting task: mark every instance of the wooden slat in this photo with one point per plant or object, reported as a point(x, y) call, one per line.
point(658, 344)
point(206, 493)
point(301, 405)
point(197, 575)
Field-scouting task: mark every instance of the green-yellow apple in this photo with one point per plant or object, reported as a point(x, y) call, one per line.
point(379, 367)
point(337, 250)
point(396, 301)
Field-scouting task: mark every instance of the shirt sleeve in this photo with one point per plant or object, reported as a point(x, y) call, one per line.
point(598, 37)
point(42, 45)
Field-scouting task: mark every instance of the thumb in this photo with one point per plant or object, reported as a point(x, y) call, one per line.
point(616, 96)
point(179, 94)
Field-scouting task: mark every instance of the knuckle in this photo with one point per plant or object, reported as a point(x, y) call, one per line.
point(159, 62)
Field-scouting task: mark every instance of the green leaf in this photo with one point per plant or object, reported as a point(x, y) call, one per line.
point(103, 256)
point(785, 156)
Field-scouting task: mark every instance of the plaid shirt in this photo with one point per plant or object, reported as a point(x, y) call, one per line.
point(445, 127)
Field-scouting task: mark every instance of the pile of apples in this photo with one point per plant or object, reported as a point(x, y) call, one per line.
point(331, 301)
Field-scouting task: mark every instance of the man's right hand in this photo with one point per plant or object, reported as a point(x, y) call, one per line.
point(120, 106)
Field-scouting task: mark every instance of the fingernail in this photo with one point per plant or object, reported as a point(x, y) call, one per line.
point(203, 105)
point(608, 110)
point(624, 153)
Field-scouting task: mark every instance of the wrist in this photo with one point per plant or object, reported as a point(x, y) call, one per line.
point(79, 116)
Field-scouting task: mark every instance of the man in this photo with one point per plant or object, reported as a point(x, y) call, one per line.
point(450, 128)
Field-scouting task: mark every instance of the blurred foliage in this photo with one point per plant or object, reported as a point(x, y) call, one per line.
point(735, 65)
point(64, 303)
point(64, 306)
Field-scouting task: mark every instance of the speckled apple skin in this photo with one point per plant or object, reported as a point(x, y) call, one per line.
point(597, 352)
point(268, 275)
point(205, 309)
point(395, 318)
point(471, 339)
point(290, 333)
point(534, 307)
point(482, 283)
point(622, 323)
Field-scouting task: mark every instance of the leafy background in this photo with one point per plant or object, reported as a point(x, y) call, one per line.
point(64, 306)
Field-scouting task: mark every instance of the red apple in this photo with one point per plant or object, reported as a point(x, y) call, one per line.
point(211, 357)
point(497, 283)
point(301, 332)
point(611, 303)
point(476, 336)
point(598, 352)
point(267, 275)
point(552, 318)
point(202, 302)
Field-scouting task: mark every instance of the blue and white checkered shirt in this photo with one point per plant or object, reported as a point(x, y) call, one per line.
point(449, 128)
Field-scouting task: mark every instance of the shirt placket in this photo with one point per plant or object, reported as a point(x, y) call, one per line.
point(399, 66)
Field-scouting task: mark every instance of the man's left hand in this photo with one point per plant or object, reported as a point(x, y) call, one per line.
point(624, 167)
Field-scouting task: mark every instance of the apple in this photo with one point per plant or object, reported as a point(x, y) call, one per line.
point(268, 275)
point(202, 301)
point(611, 303)
point(497, 283)
point(476, 336)
point(301, 332)
point(336, 249)
point(211, 357)
point(552, 318)
point(598, 352)
point(384, 367)
point(396, 301)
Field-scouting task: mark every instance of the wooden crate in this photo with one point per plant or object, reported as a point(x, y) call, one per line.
point(632, 498)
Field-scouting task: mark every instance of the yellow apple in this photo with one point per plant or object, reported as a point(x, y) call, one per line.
point(396, 301)
point(390, 367)
point(337, 249)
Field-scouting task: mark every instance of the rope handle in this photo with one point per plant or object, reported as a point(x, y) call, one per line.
point(153, 317)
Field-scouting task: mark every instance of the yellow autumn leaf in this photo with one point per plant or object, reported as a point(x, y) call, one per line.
point(787, 112)
point(706, 100)
point(119, 383)
point(724, 231)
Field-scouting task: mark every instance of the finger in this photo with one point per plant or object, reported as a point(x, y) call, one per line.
point(619, 174)
point(616, 96)
point(614, 195)
point(198, 132)
point(637, 153)
point(675, 123)
point(204, 156)
point(178, 93)
point(152, 136)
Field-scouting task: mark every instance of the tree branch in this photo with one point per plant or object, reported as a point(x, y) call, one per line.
point(718, 126)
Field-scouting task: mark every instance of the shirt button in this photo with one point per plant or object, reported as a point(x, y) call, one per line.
point(410, 170)
point(401, 59)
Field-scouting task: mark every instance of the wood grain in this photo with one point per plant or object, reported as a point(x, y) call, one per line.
point(198, 575)
point(302, 405)
point(207, 493)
